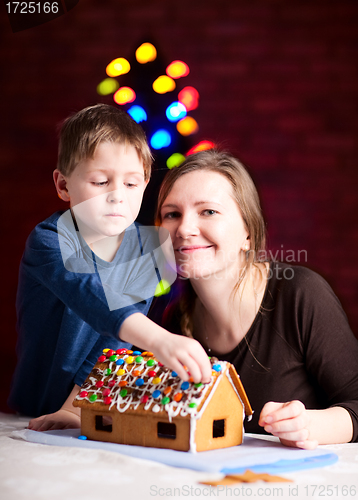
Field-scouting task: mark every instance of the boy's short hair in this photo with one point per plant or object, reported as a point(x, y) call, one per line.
point(82, 132)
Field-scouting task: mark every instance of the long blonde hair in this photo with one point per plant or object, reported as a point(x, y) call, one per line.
point(247, 199)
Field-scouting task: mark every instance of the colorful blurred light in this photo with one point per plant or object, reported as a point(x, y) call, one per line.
point(175, 160)
point(162, 288)
point(187, 126)
point(124, 95)
point(163, 84)
point(177, 69)
point(107, 86)
point(160, 139)
point(119, 66)
point(137, 113)
point(189, 96)
point(175, 111)
point(146, 53)
point(201, 146)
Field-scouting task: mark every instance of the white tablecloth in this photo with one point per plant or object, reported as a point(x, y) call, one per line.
point(37, 471)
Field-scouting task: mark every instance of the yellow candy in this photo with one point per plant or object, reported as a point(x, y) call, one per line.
point(156, 380)
point(129, 360)
point(105, 350)
point(121, 371)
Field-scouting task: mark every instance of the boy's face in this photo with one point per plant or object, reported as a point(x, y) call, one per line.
point(106, 191)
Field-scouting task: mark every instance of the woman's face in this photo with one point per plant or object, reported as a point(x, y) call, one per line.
point(207, 230)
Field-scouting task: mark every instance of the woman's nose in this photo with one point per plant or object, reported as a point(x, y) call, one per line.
point(187, 227)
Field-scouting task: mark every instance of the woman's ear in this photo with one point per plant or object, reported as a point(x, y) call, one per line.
point(246, 246)
point(61, 185)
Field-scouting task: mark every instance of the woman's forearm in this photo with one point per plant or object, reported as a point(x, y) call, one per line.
point(329, 426)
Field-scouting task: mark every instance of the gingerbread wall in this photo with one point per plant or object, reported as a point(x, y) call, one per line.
point(278, 85)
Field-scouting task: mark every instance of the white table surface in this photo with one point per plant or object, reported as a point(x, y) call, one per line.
point(36, 471)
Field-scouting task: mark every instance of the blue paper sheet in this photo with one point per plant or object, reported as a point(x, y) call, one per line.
point(255, 454)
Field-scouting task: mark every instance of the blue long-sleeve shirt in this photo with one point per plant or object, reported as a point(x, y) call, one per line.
point(68, 309)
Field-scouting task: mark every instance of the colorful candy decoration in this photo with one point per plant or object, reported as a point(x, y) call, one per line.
point(143, 380)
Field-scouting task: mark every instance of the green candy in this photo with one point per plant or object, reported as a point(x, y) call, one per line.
point(139, 359)
point(123, 393)
point(113, 358)
point(165, 400)
point(192, 405)
point(150, 362)
point(93, 397)
point(198, 385)
point(108, 371)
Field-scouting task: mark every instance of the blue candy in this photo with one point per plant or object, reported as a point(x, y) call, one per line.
point(120, 361)
point(217, 368)
point(139, 382)
point(174, 374)
point(82, 437)
point(184, 386)
point(136, 353)
point(156, 394)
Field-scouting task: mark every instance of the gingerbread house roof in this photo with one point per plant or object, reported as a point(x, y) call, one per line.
point(133, 381)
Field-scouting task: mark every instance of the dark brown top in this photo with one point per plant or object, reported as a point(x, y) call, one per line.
point(300, 346)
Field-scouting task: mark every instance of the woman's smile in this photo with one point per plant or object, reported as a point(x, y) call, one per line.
point(205, 225)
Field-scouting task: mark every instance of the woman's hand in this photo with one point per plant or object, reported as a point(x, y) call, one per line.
point(290, 422)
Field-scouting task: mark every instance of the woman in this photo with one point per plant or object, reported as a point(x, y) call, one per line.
point(281, 326)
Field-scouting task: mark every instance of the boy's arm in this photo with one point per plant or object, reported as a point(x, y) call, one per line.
point(67, 417)
point(174, 351)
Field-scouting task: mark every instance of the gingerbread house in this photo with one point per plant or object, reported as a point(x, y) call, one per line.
point(131, 398)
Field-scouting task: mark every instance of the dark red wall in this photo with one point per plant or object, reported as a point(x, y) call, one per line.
point(278, 82)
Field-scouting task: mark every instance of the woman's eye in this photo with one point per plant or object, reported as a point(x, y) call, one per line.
point(209, 211)
point(171, 215)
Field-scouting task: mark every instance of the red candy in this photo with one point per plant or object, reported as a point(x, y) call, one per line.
point(109, 353)
point(99, 383)
point(111, 383)
point(101, 359)
point(106, 392)
point(121, 351)
point(83, 394)
point(152, 373)
point(144, 398)
point(107, 401)
point(160, 364)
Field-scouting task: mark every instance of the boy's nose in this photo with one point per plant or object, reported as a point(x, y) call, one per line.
point(115, 196)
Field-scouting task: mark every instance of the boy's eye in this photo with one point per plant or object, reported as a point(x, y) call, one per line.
point(100, 184)
point(130, 184)
point(209, 211)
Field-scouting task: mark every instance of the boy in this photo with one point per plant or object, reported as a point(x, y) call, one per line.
point(68, 304)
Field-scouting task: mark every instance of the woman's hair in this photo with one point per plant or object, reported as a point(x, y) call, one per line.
point(246, 197)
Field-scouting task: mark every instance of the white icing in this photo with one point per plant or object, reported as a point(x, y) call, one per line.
point(192, 443)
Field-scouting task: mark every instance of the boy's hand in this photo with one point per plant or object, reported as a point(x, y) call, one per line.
point(178, 352)
point(174, 351)
point(289, 422)
point(61, 419)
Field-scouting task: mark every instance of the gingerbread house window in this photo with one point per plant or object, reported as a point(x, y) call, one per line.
point(103, 423)
point(218, 428)
point(167, 430)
